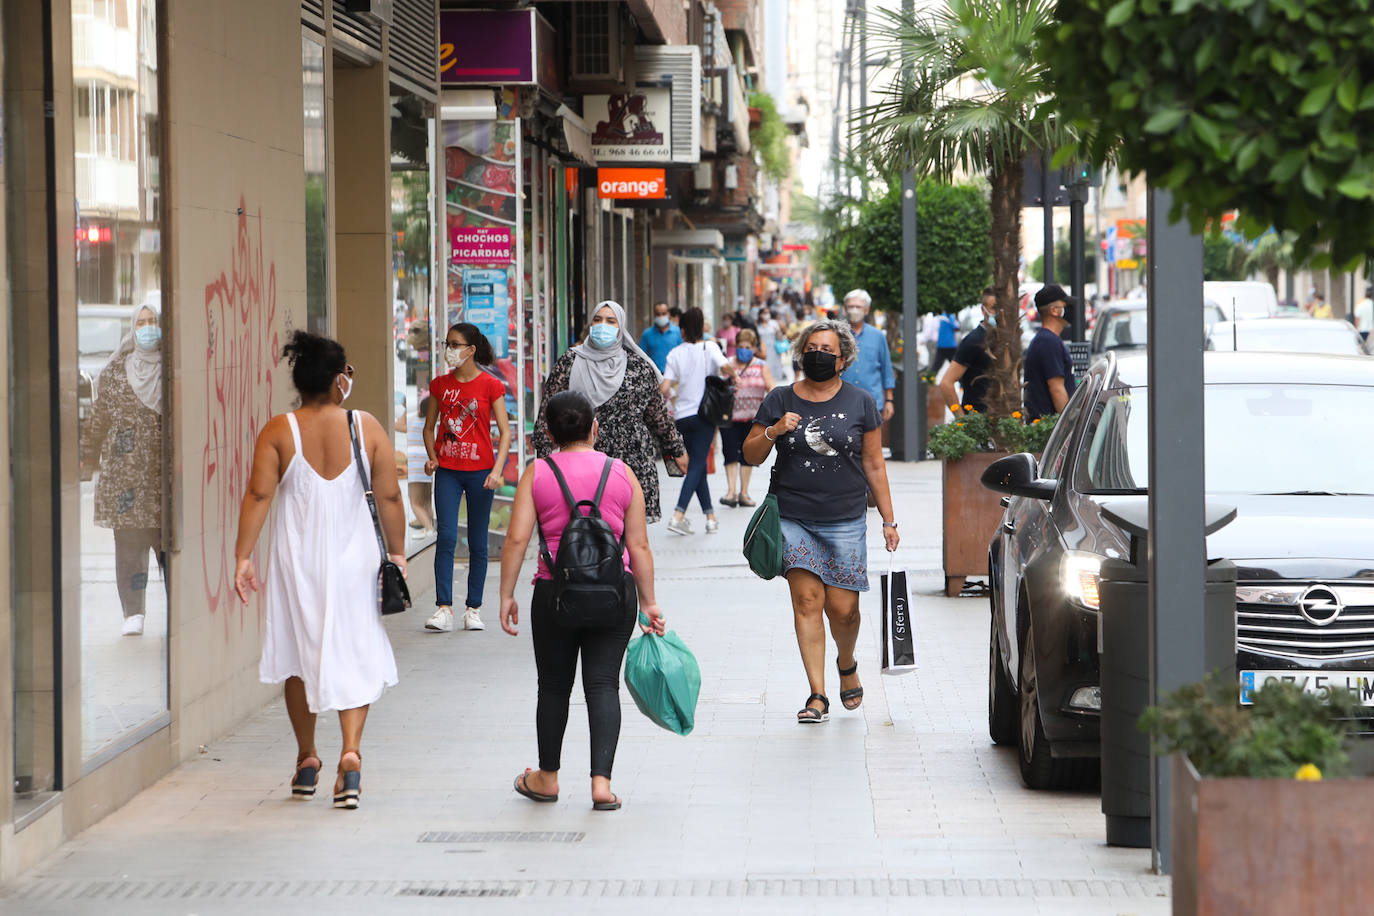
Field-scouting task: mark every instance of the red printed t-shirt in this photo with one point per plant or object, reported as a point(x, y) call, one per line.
point(462, 435)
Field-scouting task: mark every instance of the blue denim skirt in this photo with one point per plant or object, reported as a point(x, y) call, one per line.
point(837, 552)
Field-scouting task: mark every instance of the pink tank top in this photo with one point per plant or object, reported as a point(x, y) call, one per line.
point(582, 470)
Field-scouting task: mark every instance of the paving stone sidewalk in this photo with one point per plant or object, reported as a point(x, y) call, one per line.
point(903, 806)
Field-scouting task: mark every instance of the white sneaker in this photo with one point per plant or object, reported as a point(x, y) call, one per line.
point(441, 621)
point(680, 526)
point(712, 526)
point(133, 626)
point(472, 620)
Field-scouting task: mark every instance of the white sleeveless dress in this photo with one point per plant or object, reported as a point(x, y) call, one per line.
point(323, 622)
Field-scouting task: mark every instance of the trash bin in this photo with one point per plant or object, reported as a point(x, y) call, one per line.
point(1124, 665)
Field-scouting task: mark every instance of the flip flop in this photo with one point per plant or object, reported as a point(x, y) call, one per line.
point(612, 805)
point(522, 787)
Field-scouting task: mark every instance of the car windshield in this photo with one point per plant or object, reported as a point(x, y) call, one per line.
point(1259, 440)
point(1127, 329)
point(1296, 336)
point(98, 336)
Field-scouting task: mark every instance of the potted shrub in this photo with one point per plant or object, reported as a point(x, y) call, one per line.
point(1263, 820)
point(966, 445)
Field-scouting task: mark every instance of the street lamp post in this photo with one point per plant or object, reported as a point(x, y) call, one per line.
point(913, 425)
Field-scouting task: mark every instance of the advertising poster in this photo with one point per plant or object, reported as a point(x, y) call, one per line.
point(482, 204)
point(631, 127)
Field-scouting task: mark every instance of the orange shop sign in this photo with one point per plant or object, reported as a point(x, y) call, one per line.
point(632, 184)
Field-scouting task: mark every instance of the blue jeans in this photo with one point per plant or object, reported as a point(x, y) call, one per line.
point(449, 487)
point(696, 435)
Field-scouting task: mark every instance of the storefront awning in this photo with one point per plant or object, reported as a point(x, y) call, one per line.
point(690, 238)
point(577, 138)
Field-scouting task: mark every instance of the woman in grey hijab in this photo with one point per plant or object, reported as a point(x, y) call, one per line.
point(622, 384)
point(125, 432)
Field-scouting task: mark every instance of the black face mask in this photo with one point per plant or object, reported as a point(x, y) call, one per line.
point(818, 365)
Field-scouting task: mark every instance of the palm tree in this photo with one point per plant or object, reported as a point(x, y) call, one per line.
point(972, 101)
point(1272, 253)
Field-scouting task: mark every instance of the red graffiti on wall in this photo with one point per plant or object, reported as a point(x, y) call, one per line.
point(242, 351)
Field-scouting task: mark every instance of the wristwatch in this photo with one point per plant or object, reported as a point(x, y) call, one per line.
point(889, 524)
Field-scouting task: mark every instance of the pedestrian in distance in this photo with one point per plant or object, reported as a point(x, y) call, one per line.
point(324, 636)
point(753, 382)
point(623, 385)
point(771, 332)
point(419, 482)
point(685, 381)
point(124, 435)
point(1364, 313)
point(548, 490)
point(871, 368)
point(946, 340)
point(728, 332)
point(463, 403)
point(659, 339)
point(1047, 366)
point(969, 367)
point(829, 458)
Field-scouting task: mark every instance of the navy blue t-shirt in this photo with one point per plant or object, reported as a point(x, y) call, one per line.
point(1047, 357)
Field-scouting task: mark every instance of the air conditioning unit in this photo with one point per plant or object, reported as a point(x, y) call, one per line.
point(731, 177)
point(679, 67)
point(600, 48)
point(376, 12)
point(701, 177)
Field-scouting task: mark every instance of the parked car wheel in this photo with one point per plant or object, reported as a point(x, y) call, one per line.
point(1039, 768)
point(1003, 726)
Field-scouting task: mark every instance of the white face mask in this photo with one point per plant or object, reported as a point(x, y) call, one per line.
point(346, 387)
point(455, 358)
point(856, 314)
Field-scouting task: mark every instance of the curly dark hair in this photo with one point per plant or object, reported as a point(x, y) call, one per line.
point(315, 362)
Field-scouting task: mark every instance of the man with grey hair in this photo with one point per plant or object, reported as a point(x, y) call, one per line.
point(871, 370)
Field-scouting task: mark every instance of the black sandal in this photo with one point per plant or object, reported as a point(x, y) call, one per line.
point(305, 780)
point(746, 502)
point(351, 790)
point(729, 501)
point(856, 693)
point(809, 715)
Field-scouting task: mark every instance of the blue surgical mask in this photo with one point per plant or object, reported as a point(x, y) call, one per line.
point(603, 336)
point(744, 354)
point(991, 319)
point(661, 320)
point(147, 337)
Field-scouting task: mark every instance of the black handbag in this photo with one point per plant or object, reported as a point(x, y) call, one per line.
point(394, 593)
point(717, 405)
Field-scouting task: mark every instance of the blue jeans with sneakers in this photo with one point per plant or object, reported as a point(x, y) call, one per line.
point(449, 488)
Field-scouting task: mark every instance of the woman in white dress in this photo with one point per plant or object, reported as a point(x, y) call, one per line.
point(324, 628)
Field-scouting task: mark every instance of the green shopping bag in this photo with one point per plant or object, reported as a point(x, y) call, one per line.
point(763, 539)
point(662, 675)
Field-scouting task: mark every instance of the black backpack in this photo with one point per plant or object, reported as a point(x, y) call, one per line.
point(589, 579)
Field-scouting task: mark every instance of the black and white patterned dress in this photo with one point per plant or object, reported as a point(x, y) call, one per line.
point(635, 425)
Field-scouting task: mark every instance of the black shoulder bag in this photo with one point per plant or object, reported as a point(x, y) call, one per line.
point(395, 595)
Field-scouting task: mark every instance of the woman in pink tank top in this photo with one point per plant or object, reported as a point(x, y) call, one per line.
point(557, 645)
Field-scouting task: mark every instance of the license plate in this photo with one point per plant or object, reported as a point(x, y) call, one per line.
point(1358, 684)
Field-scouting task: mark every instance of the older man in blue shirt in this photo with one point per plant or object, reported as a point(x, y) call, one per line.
point(661, 337)
point(872, 368)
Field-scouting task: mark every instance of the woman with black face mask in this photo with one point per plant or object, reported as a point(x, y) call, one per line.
point(829, 458)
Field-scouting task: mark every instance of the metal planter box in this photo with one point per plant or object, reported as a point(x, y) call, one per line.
point(1259, 846)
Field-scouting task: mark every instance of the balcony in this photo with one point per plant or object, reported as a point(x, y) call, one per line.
point(99, 47)
point(106, 186)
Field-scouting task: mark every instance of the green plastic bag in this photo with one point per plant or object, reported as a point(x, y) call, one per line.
point(662, 675)
point(763, 539)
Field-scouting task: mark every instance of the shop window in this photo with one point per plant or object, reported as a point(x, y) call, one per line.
point(412, 252)
point(120, 401)
point(316, 224)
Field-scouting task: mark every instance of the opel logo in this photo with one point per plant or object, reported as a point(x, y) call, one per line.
point(1320, 605)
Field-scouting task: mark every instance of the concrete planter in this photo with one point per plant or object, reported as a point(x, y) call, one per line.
point(971, 516)
point(1258, 846)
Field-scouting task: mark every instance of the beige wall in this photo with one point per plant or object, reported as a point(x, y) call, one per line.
point(237, 259)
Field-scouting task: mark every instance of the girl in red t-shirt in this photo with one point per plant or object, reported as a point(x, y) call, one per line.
point(462, 405)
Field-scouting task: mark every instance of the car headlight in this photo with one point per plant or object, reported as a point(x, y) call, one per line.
point(1080, 576)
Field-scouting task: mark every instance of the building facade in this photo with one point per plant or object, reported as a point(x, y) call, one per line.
point(226, 172)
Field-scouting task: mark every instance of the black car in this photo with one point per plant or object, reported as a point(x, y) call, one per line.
point(1303, 542)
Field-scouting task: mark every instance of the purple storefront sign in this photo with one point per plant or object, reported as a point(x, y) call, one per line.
point(481, 245)
point(487, 47)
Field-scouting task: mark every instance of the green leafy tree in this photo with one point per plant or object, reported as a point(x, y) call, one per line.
point(1223, 258)
point(970, 99)
point(1063, 259)
point(1261, 105)
point(769, 139)
point(952, 248)
point(1273, 252)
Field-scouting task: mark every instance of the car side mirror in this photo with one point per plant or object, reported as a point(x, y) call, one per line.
point(1019, 476)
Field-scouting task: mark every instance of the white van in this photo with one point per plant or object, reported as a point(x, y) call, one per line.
point(1242, 298)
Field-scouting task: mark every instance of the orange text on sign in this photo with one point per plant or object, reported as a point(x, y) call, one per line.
point(632, 184)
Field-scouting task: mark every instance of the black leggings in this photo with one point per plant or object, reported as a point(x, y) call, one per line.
point(555, 657)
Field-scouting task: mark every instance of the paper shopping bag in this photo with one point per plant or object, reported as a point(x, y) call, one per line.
point(899, 631)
